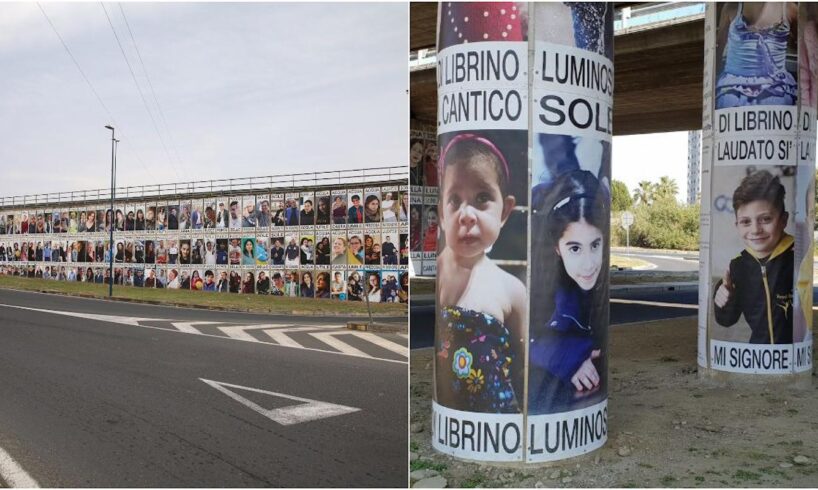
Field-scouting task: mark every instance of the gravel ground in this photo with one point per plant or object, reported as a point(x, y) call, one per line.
point(667, 427)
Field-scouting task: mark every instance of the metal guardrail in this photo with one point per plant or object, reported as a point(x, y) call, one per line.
point(216, 186)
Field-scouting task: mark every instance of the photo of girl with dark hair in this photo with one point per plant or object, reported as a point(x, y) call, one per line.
point(482, 308)
point(415, 161)
point(130, 220)
point(569, 314)
point(248, 251)
point(372, 209)
point(221, 251)
point(150, 252)
point(323, 251)
point(307, 286)
point(322, 285)
point(139, 221)
point(322, 214)
point(234, 284)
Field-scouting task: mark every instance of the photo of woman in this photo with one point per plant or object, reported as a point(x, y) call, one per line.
point(234, 283)
point(323, 251)
point(262, 250)
point(322, 285)
point(234, 251)
point(307, 286)
point(322, 214)
point(307, 250)
point(248, 254)
point(355, 251)
point(339, 208)
point(249, 284)
point(372, 209)
point(373, 287)
point(339, 250)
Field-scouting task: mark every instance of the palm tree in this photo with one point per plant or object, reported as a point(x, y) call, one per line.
point(666, 188)
point(644, 193)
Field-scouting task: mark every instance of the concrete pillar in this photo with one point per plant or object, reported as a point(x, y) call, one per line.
point(757, 215)
point(525, 94)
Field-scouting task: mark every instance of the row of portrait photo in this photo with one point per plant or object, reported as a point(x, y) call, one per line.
point(371, 247)
point(347, 207)
point(375, 286)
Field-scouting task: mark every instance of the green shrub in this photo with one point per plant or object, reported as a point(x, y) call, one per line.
point(663, 224)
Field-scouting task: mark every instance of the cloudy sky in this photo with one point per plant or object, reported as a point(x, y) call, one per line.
point(244, 90)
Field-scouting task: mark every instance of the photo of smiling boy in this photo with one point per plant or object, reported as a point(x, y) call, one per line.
point(758, 282)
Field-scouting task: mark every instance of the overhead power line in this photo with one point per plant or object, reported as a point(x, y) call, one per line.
point(93, 90)
point(153, 92)
point(141, 94)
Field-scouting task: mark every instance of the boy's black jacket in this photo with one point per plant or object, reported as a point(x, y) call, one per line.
point(752, 298)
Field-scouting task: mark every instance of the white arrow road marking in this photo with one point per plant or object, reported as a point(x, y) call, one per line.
point(329, 339)
point(281, 337)
point(13, 474)
point(307, 411)
point(382, 342)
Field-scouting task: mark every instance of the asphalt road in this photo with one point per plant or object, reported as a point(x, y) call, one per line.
point(682, 262)
point(98, 401)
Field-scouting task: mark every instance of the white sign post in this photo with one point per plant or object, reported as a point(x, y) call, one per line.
point(626, 220)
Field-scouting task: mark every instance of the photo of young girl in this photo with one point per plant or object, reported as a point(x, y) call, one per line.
point(482, 308)
point(323, 250)
point(753, 42)
point(355, 249)
point(322, 214)
point(307, 285)
point(322, 285)
point(307, 250)
point(569, 314)
point(150, 218)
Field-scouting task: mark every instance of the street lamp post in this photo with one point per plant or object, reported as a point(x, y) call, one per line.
point(114, 141)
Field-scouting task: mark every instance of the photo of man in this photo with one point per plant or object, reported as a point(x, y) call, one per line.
point(234, 251)
point(235, 214)
point(277, 251)
point(307, 216)
point(264, 214)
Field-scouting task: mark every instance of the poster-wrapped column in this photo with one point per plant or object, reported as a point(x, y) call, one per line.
point(755, 295)
point(524, 128)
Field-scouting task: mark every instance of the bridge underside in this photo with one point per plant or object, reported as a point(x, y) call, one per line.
point(658, 75)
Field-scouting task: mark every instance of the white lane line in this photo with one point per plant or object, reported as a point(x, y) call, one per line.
point(329, 339)
point(13, 474)
point(654, 303)
point(399, 349)
point(281, 337)
point(404, 336)
point(105, 318)
point(305, 411)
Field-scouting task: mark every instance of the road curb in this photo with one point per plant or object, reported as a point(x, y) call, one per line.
point(364, 326)
point(203, 307)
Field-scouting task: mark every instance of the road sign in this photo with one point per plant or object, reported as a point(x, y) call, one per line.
point(626, 219)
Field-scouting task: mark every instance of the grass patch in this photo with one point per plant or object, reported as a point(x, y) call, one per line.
point(425, 464)
point(625, 262)
point(699, 479)
point(413, 446)
point(744, 475)
point(474, 481)
point(222, 301)
point(667, 480)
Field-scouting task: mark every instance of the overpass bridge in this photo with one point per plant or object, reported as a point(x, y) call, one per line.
point(658, 62)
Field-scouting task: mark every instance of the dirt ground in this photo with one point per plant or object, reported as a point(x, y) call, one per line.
point(666, 427)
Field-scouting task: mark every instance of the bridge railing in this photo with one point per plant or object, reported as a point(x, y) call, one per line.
point(358, 177)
